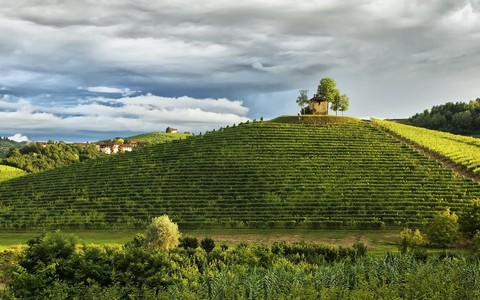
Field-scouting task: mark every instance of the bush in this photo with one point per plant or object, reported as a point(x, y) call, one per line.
point(162, 233)
point(470, 220)
point(207, 244)
point(189, 242)
point(410, 240)
point(47, 257)
point(476, 244)
point(443, 230)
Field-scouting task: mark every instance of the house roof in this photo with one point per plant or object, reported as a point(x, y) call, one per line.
point(317, 99)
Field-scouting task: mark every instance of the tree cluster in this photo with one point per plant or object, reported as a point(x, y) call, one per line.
point(459, 117)
point(6, 144)
point(35, 157)
point(326, 91)
point(444, 230)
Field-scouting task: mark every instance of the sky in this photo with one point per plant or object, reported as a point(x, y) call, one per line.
point(84, 70)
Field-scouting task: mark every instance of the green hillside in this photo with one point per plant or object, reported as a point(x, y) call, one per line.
point(158, 137)
point(461, 150)
point(7, 172)
point(261, 174)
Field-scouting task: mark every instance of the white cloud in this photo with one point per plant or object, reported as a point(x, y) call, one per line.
point(109, 90)
point(18, 138)
point(143, 113)
point(243, 49)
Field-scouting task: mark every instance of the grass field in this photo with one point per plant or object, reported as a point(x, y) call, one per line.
point(378, 241)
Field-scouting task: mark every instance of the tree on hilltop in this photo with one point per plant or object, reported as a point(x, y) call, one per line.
point(327, 90)
point(302, 101)
point(340, 103)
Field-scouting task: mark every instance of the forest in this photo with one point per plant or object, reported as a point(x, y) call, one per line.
point(36, 157)
point(459, 117)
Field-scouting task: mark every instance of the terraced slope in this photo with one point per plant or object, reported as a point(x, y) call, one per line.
point(262, 174)
point(7, 172)
point(158, 137)
point(461, 150)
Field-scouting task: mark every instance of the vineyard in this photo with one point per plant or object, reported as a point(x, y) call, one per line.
point(7, 172)
point(461, 150)
point(158, 137)
point(256, 175)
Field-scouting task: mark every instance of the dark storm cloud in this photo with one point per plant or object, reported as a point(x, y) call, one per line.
point(392, 57)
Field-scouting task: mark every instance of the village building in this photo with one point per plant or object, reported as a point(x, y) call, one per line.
point(171, 130)
point(318, 106)
point(114, 148)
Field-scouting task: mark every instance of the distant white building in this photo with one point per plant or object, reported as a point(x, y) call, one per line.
point(109, 148)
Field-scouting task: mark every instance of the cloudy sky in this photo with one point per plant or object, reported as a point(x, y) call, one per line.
point(90, 69)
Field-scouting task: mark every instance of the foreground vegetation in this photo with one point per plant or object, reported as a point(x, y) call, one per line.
point(56, 266)
point(256, 175)
point(461, 150)
point(7, 172)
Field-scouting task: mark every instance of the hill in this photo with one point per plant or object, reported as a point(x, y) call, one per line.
point(6, 144)
point(7, 172)
point(261, 174)
point(158, 137)
point(462, 151)
point(314, 120)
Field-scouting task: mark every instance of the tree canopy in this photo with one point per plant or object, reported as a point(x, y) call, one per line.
point(459, 117)
point(443, 230)
point(327, 90)
point(34, 157)
point(302, 99)
point(340, 103)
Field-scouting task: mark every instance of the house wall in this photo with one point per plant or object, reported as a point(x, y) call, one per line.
point(319, 108)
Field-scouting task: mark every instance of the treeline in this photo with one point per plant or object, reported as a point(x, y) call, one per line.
point(36, 157)
point(459, 117)
point(6, 144)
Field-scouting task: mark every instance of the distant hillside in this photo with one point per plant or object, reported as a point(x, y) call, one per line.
point(157, 137)
point(261, 174)
point(7, 172)
point(6, 144)
point(459, 117)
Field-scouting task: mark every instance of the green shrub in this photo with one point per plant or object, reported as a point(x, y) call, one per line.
point(443, 230)
point(162, 233)
point(207, 244)
point(411, 240)
point(189, 242)
point(470, 220)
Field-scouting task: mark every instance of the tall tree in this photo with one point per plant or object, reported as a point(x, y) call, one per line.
point(336, 102)
point(302, 99)
point(327, 90)
point(339, 103)
point(344, 103)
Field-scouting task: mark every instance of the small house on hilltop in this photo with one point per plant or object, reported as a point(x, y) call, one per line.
point(318, 106)
point(171, 130)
